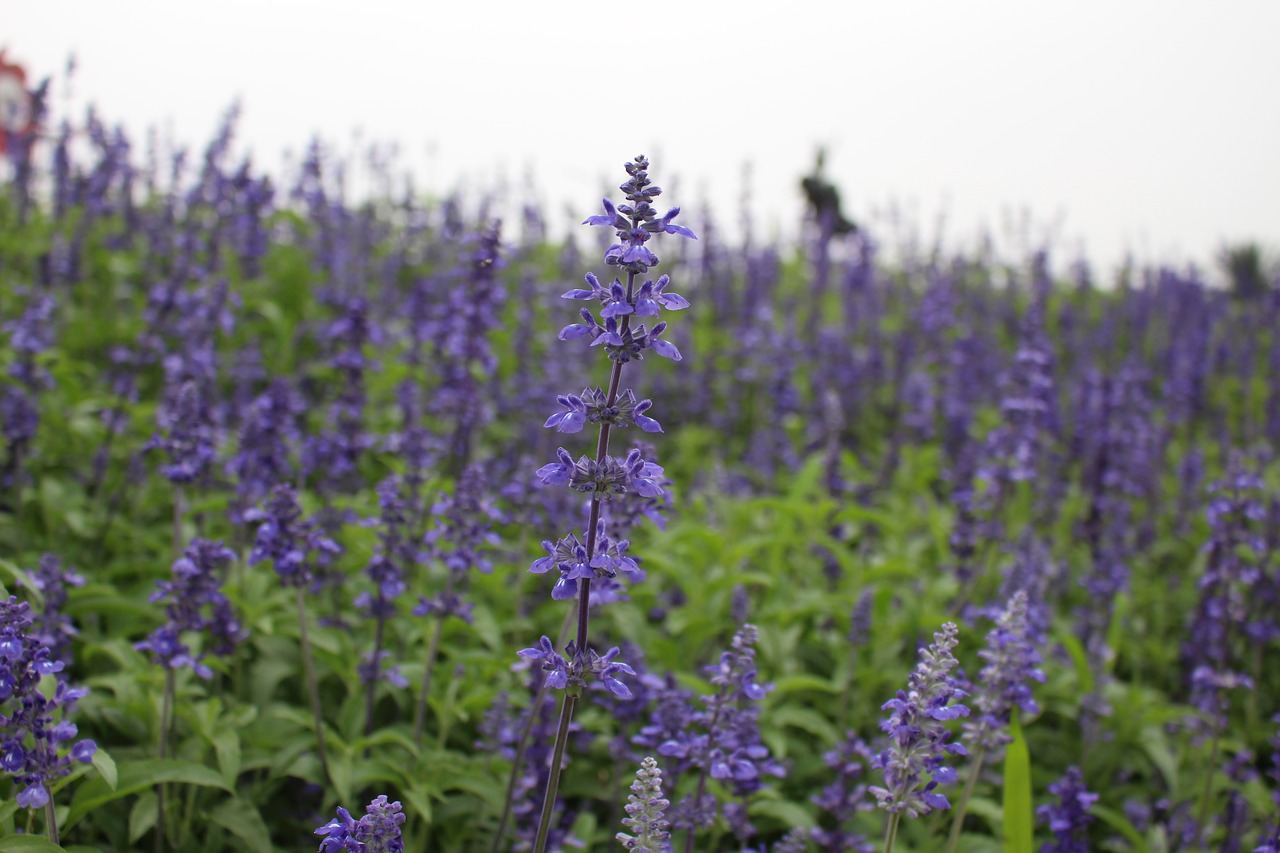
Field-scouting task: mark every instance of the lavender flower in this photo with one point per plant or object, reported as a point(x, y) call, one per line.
point(1004, 683)
point(187, 434)
point(268, 435)
point(378, 831)
point(845, 797)
point(1069, 817)
point(645, 809)
point(194, 602)
point(722, 740)
point(1236, 552)
point(918, 738)
point(575, 669)
point(53, 628)
point(31, 738)
point(286, 539)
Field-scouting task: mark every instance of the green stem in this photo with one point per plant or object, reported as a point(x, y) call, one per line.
point(957, 820)
point(371, 691)
point(313, 688)
point(177, 522)
point(553, 772)
point(1208, 782)
point(162, 752)
point(51, 821)
point(891, 836)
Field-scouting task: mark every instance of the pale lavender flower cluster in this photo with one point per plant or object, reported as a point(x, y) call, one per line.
point(30, 737)
point(1012, 663)
point(1068, 818)
point(194, 602)
point(646, 807)
point(918, 739)
point(377, 831)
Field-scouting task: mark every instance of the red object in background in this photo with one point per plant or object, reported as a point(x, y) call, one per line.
point(15, 102)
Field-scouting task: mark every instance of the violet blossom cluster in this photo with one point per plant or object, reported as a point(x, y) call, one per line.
point(1069, 817)
point(396, 551)
point(52, 627)
point(918, 738)
point(462, 538)
point(294, 545)
point(1236, 553)
point(844, 797)
point(194, 602)
point(721, 740)
point(377, 830)
point(32, 737)
point(29, 335)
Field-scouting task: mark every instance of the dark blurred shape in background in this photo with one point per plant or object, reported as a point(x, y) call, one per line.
point(824, 201)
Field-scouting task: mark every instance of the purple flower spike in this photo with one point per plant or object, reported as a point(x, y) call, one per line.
point(918, 743)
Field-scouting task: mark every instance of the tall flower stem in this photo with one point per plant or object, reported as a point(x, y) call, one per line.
point(523, 746)
point(371, 691)
point(980, 756)
point(51, 821)
point(553, 772)
point(313, 688)
point(584, 602)
point(162, 752)
point(433, 652)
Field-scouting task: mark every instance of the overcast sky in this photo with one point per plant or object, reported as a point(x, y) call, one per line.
point(1149, 127)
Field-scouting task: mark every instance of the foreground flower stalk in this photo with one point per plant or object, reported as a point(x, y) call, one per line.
point(918, 737)
point(594, 555)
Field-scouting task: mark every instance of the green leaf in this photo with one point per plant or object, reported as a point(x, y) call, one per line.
point(106, 767)
point(1121, 824)
point(28, 844)
point(1018, 831)
point(244, 821)
point(145, 813)
point(138, 776)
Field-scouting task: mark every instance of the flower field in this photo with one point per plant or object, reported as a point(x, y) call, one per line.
point(378, 525)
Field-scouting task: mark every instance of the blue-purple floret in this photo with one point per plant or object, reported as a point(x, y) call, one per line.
point(607, 478)
point(593, 407)
point(31, 738)
point(194, 602)
point(1069, 817)
point(574, 670)
point(569, 557)
point(1012, 664)
point(918, 739)
point(377, 831)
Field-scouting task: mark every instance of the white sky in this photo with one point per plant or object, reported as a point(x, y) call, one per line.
point(1119, 125)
